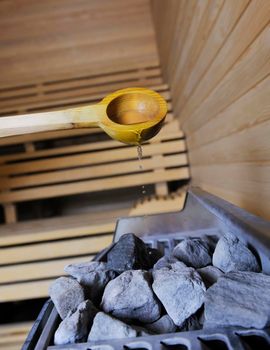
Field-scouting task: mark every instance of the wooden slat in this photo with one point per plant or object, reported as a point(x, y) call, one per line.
point(52, 229)
point(181, 34)
point(93, 146)
point(203, 31)
point(230, 13)
point(47, 136)
point(37, 270)
point(247, 184)
point(92, 172)
point(74, 98)
point(52, 250)
point(93, 37)
point(13, 335)
point(191, 37)
point(80, 82)
point(93, 158)
point(28, 290)
point(30, 102)
point(244, 146)
point(16, 338)
point(221, 96)
point(15, 328)
point(94, 185)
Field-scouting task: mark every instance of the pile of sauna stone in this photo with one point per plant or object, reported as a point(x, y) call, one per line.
point(138, 292)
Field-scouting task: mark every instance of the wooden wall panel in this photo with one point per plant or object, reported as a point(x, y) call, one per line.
point(220, 83)
point(50, 40)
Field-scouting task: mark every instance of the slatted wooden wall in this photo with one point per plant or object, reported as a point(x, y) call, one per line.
point(43, 41)
point(215, 55)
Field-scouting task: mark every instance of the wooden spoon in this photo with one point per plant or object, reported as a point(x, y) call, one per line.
point(130, 115)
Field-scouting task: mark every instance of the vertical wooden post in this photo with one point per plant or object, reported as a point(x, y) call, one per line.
point(10, 213)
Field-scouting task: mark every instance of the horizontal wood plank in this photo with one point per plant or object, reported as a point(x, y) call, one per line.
point(92, 37)
point(97, 157)
point(164, 134)
point(94, 185)
point(28, 290)
point(53, 229)
point(91, 172)
point(53, 250)
point(37, 270)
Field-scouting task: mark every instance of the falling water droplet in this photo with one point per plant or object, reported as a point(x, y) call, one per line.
point(140, 156)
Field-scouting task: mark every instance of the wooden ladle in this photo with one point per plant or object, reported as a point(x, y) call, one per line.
point(130, 115)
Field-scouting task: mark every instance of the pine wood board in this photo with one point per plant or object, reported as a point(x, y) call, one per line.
point(225, 22)
point(236, 83)
point(246, 112)
point(94, 185)
point(84, 37)
point(236, 45)
point(56, 249)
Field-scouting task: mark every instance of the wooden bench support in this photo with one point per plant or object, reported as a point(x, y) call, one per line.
point(10, 213)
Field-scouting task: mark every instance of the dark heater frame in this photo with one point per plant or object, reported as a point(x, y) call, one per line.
point(203, 214)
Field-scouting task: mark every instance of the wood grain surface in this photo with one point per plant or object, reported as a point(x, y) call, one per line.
point(219, 74)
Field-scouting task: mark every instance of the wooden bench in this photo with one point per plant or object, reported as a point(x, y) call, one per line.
point(12, 336)
point(90, 167)
point(34, 253)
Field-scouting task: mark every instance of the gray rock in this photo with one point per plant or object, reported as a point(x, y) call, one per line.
point(193, 252)
point(165, 261)
point(107, 327)
point(180, 289)
point(232, 255)
point(75, 327)
point(129, 253)
point(130, 296)
point(93, 275)
point(66, 294)
point(209, 275)
point(163, 325)
point(239, 299)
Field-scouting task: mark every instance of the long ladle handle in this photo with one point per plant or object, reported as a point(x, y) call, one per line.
point(48, 121)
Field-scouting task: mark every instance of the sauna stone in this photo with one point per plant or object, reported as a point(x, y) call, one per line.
point(180, 290)
point(232, 255)
point(193, 252)
point(130, 296)
point(106, 327)
point(93, 276)
point(66, 294)
point(239, 298)
point(165, 261)
point(163, 325)
point(209, 275)
point(75, 327)
point(129, 253)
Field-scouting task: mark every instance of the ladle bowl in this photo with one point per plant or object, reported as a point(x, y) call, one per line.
point(131, 115)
